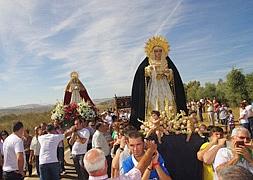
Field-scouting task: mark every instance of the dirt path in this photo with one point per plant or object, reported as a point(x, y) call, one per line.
point(70, 170)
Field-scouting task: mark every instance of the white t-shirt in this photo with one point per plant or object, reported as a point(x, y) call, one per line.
point(108, 119)
point(48, 147)
point(224, 155)
point(249, 109)
point(11, 146)
point(223, 112)
point(99, 141)
point(244, 115)
point(35, 146)
point(79, 148)
point(210, 108)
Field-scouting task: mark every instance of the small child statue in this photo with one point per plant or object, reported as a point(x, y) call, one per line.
point(155, 122)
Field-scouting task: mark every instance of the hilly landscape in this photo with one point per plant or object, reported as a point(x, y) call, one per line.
point(33, 114)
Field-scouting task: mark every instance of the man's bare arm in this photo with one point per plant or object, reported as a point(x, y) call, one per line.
point(209, 155)
point(200, 153)
point(147, 157)
point(20, 159)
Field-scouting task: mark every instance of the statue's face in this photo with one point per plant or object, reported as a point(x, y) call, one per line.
point(154, 116)
point(158, 52)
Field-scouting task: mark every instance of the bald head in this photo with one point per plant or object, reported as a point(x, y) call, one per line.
point(94, 160)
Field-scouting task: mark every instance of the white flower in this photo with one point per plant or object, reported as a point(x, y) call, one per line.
point(58, 112)
point(85, 110)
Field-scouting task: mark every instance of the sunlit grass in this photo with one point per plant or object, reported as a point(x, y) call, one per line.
point(30, 120)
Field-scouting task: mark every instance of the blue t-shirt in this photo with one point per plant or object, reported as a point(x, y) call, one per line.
point(128, 165)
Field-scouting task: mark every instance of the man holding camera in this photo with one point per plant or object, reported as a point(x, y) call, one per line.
point(240, 152)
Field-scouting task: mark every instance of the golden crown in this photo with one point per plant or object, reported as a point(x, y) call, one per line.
point(156, 41)
point(74, 74)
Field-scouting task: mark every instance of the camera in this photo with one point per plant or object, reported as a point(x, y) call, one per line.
point(239, 143)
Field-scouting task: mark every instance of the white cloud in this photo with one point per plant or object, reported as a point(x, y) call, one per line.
point(43, 41)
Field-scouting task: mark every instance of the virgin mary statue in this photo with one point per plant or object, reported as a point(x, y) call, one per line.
point(75, 91)
point(157, 84)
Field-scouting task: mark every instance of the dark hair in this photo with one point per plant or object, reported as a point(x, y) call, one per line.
point(4, 132)
point(216, 129)
point(97, 126)
point(230, 111)
point(50, 127)
point(135, 135)
point(209, 127)
point(128, 129)
point(156, 112)
point(114, 118)
point(17, 126)
point(243, 104)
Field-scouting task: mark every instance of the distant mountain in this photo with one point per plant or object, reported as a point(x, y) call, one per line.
point(25, 109)
point(98, 101)
point(28, 108)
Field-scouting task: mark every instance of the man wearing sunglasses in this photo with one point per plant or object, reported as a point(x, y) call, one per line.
point(240, 152)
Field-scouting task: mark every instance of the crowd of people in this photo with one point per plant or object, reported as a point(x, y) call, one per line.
point(110, 147)
point(218, 113)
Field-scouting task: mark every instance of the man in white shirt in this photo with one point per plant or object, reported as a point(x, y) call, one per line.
point(49, 164)
point(99, 141)
point(244, 115)
point(13, 149)
point(238, 154)
point(79, 139)
point(223, 114)
point(96, 164)
point(35, 149)
point(249, 109)
point(108, 118)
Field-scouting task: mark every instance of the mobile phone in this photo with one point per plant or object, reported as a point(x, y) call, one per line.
point(239, 143)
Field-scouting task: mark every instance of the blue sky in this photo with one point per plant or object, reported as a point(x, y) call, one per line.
point(41, 42)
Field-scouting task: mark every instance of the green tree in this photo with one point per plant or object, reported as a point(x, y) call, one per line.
point(221, 91)
point(210, 90)
point(192, 89)
point(249, 85)
point(236, 87)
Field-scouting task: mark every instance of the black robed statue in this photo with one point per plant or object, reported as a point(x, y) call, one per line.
point(157, 84)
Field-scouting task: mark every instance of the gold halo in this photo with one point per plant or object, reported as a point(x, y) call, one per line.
point(157, 41)
point(74, 74)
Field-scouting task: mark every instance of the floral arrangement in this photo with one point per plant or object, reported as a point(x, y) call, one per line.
point(58, 111)
point(71, 112)
point(85, 111)
point(169, 124)
point(66, 114)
